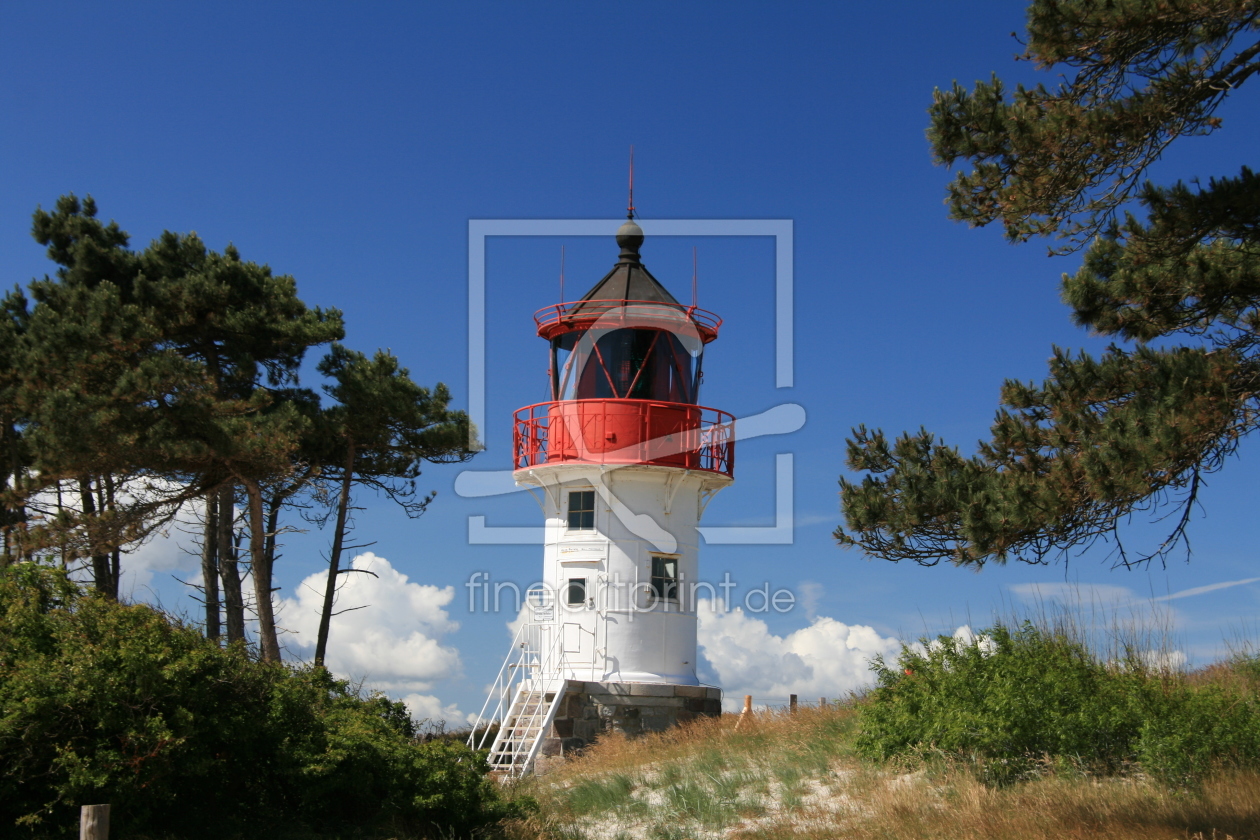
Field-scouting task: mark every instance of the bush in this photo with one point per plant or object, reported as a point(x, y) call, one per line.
point(1010, 700)
point(1197, 727)
point(1003, 701)
point(103, 702)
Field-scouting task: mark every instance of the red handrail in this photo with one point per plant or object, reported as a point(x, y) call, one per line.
point(622, 431)
point(563, 317)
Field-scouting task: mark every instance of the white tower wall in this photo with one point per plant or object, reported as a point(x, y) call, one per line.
point(622, 631)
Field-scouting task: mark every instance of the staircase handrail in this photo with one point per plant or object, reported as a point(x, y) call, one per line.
point(511, 670)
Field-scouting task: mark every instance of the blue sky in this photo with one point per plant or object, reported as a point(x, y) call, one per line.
point(350, 145)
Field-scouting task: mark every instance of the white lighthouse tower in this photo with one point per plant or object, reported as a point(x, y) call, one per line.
point(623, 460)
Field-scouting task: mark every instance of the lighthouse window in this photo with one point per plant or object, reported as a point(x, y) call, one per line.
point(575, 594)
point(582, 510)
point(665, 578)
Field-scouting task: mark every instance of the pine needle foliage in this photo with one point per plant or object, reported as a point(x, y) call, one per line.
point(1136, 429)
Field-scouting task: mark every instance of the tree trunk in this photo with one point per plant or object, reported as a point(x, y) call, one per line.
point(100, 561)
point(229, 573)
point(106, 485)
point(61, 532)
point(268, 641)
point(12, 513)
point(334, 558)
point(210, 566)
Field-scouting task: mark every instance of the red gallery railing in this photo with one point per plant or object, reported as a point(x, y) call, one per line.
point(613, 431)
point(611, 314)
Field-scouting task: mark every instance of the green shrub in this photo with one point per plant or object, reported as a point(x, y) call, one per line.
point(1009, 700)
point(103, 702)
point(1003, 701)
point(1196, 728)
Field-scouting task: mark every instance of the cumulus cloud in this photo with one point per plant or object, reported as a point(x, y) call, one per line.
point(963, 637)
point(827, 658)
point(426, 707)
point(170, 550)
point(392, 644)
point(167, 552)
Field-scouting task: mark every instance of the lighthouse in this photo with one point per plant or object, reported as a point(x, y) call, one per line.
point(623, 459)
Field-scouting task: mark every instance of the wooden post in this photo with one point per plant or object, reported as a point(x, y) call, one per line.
point(94, 822)
point(792, 703)
point(746, 714)
point(822, 702)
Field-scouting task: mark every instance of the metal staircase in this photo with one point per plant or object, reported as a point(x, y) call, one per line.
point(523, 729)
point(527, 693)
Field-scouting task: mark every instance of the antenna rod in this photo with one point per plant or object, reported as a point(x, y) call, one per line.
point(630, 209)
point(562, 274)
point(695, 271)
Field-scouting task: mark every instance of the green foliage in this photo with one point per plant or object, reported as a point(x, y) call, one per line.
point(1063, 159)
point(170, 370)
point(161, 359)
point(1072, 459)
point(1008, 701)
point(1194, 728)
point(1006, 696)
point(393, 424)
point(104, 702)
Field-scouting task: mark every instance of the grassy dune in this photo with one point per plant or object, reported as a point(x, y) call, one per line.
point(798, 775)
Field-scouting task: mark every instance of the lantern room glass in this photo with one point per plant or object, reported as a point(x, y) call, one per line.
point(626, 363)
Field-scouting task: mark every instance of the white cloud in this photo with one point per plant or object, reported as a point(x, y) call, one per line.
point(393, 644)
point(963, 637)
point(1105, 594)
point(1072, 594)
point(827, 658)
point(1164, 660)
point(170, 551)
point(811, 593)
point(426, 707)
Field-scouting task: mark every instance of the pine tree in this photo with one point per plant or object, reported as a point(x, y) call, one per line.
point(175, 364)
point(1139, 427)
point(382, 429)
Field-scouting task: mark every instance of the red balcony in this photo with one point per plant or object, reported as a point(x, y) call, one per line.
point(613, 431)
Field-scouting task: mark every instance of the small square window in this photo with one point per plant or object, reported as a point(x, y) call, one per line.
point(575, 593)
point(582, 510)
point(665, 578)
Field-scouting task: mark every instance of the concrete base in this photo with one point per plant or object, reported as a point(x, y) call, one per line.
point(590, 709)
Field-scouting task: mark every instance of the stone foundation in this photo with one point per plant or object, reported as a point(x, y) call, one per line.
point(590, 709)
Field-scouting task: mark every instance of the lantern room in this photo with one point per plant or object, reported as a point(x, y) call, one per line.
point(628, 337)
point(625, 375)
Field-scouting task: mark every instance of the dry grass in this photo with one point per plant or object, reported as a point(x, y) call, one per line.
point(955, 805)
point(796, 776)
